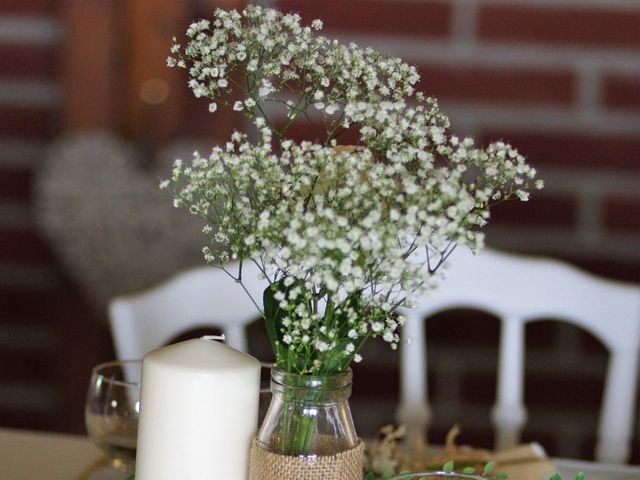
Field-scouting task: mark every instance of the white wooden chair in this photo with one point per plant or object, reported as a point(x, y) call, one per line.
point(204, 296)
point(518, 290)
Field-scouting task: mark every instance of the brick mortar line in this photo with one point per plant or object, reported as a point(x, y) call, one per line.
point(590, 181)
point(464, 22)
point(469, 116)
point(564, 241)
point(30, 93)
point(512, 54)
point(40, 30)
point(615, 5)
point(541, 119)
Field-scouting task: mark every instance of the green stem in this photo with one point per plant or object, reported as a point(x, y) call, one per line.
point(299, 421)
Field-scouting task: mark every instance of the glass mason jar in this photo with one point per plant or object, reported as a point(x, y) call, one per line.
point(309, 415)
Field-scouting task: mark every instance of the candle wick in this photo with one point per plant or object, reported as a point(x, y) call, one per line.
point(214, 337)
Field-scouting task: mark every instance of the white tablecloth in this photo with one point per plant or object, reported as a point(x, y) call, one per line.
point(26, 455)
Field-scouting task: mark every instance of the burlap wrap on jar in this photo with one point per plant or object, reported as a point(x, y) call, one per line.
point(265, 465)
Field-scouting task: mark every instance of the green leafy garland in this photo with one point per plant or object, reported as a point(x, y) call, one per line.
point(448, 470)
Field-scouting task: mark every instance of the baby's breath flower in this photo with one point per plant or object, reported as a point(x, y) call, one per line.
point(345, 235)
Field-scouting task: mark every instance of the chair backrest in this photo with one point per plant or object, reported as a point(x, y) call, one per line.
point(518, 290)
point(204, 296)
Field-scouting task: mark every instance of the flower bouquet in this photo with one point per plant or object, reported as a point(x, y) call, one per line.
point(345, 233)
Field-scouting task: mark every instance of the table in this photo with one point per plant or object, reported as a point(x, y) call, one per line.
point(27, 455)
point(595, 471)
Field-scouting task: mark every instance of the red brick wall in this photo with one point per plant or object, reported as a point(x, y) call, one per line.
point(29, 105)
point(559, 79)
point(44, 366)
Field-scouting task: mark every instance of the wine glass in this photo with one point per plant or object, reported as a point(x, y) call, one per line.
point(112, 410)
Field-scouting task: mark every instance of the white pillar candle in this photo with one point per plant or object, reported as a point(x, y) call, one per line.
point(198, 414)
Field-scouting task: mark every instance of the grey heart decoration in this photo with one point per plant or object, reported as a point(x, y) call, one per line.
point(114, 230)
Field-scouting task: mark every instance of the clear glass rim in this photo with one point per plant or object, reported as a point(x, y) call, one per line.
point(437, 473)
point(335, 381)
point(95, 372)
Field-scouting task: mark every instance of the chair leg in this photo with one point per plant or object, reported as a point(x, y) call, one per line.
point(616, 418)
point(508, 421)
point(509, 415)
point(416, 419)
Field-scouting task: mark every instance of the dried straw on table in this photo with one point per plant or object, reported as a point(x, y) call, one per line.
point(266, 465)
point(420, 459)
point(524, 462)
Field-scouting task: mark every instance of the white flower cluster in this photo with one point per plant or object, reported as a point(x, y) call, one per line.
point(345, 234)
point(279, 56)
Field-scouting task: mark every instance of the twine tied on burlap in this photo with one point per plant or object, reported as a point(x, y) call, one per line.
point(265, 465)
